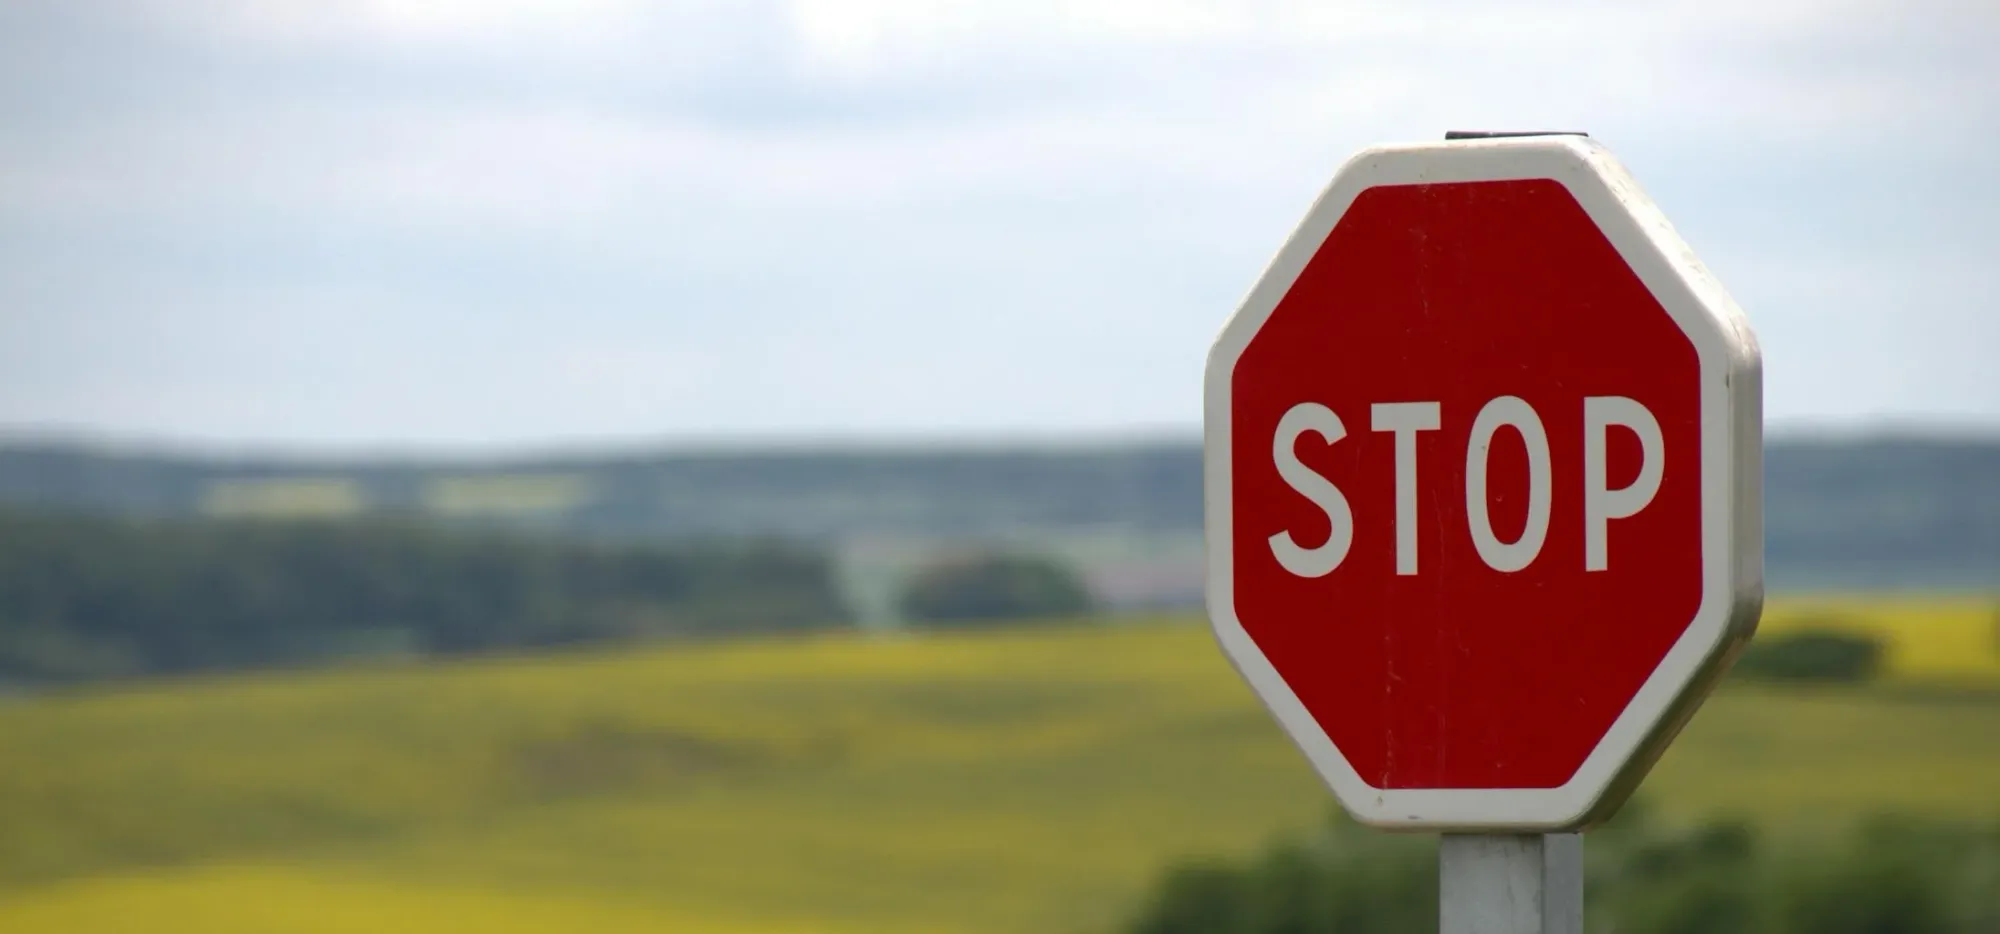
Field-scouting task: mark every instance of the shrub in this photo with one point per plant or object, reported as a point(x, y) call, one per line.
point(1867, 892)
point(1295, 889)
point(1894, 876)
point(1699, 882)
point(1814, 655)
point(993, 587)
point(1198, 898)
point(1703, 901)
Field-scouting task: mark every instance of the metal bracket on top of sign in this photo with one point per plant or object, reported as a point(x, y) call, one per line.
point(1451, 135)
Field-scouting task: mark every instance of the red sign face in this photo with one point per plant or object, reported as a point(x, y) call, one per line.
point(1447, 672)
point(1471, 505)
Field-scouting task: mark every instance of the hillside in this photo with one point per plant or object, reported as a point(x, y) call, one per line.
point(1005, 782)
point(1899, 513)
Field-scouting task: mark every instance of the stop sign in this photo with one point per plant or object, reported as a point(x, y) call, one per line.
point(1482, 467)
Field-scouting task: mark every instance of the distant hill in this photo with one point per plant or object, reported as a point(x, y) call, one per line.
point(1862, 513)
point(1885, 513)
point(811, 494)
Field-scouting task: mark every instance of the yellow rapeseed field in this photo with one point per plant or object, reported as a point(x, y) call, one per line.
point(1014, 781)
point(1936, 641)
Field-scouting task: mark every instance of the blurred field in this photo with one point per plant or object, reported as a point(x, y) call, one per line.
point(505, 494)
point(1008, 782)
point(292, 497)
point(1935, 642)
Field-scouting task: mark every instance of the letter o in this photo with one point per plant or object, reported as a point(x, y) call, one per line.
point(1513, 411)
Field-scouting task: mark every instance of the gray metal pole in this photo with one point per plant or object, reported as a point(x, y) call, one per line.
point(1510, 883)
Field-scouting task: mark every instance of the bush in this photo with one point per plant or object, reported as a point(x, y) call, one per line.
point(1699, 882)
point(1703, 901)
point(1816, 655)
point(993, 588)
point(1894, 877)
point(1867, 892)
point(1295, 889)
point(1197, 898)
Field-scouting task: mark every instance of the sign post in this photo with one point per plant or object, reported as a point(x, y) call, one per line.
point(1482, 468)
point(1510, 883)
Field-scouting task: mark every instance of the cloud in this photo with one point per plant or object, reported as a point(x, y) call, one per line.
point(906, 206)
point(395, 21)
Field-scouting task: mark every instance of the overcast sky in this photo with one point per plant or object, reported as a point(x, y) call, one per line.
point(515, 223)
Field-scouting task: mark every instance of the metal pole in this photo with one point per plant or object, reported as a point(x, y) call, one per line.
point(1510, 883)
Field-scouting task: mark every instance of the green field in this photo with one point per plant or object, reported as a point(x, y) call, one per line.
point(1023, 781)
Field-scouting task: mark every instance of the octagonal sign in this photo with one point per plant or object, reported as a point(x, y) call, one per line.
point(1482, 468)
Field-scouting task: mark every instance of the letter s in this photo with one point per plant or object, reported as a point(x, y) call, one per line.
point(1319, 561)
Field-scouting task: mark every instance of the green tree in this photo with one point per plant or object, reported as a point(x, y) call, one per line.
point(1812, 655)
point(991, 588)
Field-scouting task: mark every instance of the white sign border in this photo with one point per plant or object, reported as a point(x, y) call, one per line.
point(1731, 483)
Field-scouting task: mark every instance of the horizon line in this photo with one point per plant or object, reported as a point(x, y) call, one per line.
point(905, 441)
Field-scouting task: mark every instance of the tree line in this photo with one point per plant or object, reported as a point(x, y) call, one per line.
point(1905, 512)
point(85, 596)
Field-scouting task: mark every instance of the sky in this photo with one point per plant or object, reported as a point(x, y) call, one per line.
point(467, 225)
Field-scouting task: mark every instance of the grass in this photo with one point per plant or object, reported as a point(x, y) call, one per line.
point(1001, 782)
